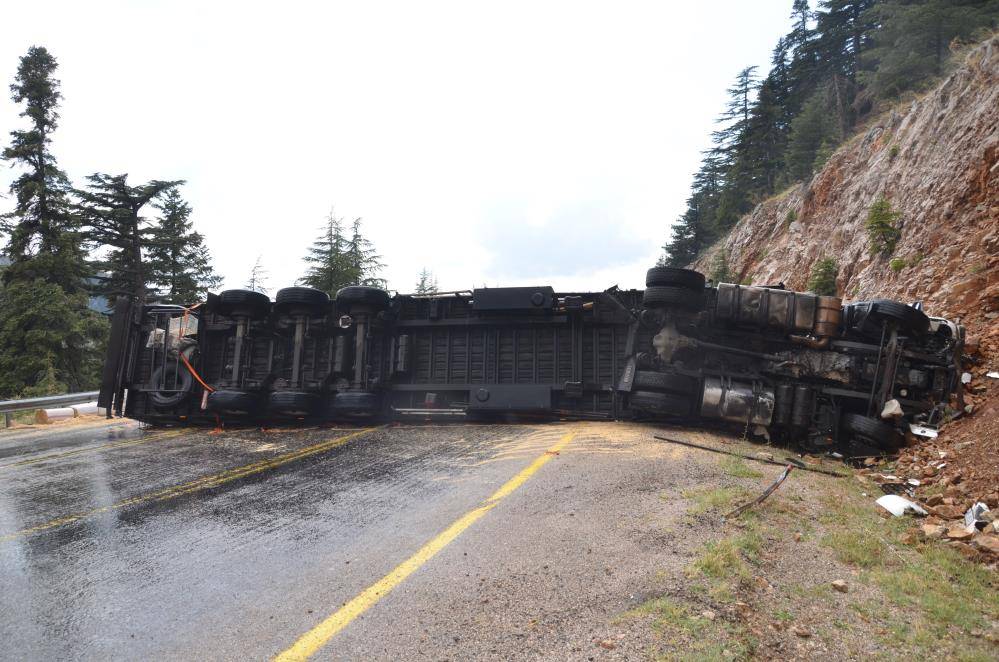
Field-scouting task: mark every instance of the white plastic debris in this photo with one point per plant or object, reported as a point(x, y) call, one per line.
point(914, 482)
point(899, 506)
point(892, 409)
point(923, 431)
point(993, 374)
point(965, 377)
point(973, 517)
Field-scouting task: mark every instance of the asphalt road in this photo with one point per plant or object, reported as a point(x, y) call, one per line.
point(404, 542)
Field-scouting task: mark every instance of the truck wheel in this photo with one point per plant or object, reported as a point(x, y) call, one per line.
point(353, 295)
point(244, 303)
point(661, 381)
point(304, 299)
point(298, 404)
point(177, 379)
point(674, 277)
point(233, 403)
point(872, 431)
point(909, 320)
point(356, 403)
point(660, 403)
point(669, 296)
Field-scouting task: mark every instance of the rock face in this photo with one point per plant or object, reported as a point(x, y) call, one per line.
point(937, 161)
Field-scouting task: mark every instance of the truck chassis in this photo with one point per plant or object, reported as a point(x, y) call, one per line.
point(795, 367)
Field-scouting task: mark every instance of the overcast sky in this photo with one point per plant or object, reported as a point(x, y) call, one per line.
point(499, 143)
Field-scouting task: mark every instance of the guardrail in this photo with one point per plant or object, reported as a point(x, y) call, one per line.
point(8, 407)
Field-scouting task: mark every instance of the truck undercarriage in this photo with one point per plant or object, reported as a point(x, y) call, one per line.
point(795, 367)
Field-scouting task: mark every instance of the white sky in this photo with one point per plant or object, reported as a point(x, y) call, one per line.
point(501, 143)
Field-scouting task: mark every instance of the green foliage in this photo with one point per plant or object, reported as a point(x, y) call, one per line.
point(338, 259)
point(49, 341)
point(827, 75)
point(883, 230)
point(790, 218)
point(180, 266)
point(111, 211)
point(426, 283)
point(719, 268)
point(893, 151)
point(822, 279)
point(897, 264)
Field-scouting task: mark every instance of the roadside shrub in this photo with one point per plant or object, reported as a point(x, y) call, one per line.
point(883, 231)
point(791, 217)
point(822, 280)
point(897, 264)
point(893, 152)
point(719, 268)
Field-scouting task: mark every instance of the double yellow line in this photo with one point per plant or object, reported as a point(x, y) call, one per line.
point(309, 643)
point(196, 485)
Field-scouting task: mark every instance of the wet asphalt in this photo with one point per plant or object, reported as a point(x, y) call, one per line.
point(123, 543)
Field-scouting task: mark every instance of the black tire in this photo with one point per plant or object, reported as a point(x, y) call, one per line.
point(356, 403)
point(354, 295)
point(244, 303)
point(910, 321)
point(674, 277)
point(872, 431)
point(678, 297)
point(297, 404)
point(233, 403)
point(646, 380)
point(859, 449)
point(300, 299)
point(660, 403)
point(168, 376)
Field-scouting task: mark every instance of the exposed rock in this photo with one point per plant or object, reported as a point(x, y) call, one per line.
point(933, 531)
point(958, 531)
point(840, 585)
point(986, 543)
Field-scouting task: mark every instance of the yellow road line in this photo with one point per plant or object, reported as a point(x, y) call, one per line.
point(316, 638)
point(196, 485)
point(114, 444)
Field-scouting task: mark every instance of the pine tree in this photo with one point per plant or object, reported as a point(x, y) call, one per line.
point(329, 265)
point(363, 259)
point(111, 210)
point(257, 280)
point(49, 339)
point(822, 279)
point(180, 266)
point(426, 283)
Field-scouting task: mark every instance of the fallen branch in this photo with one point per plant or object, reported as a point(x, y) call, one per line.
point(797, 463)
point(767, 492)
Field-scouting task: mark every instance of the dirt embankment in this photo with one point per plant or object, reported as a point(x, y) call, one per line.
point(937, 161)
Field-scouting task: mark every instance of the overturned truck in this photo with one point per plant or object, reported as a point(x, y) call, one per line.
point(798, 368)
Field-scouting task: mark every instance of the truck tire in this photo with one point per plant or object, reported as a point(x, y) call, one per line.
point(356, 403)
point(248, 303)
point(660, 403)
point(169, 375)
point(674, 277)
point(872, 431)
point(669, 296)
point(352, 295)
point(647, 380)
point(909, 320)
point(297, 404)
point(303, 299)
point(233, 403)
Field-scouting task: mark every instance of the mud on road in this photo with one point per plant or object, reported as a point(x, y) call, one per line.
point(557, 541)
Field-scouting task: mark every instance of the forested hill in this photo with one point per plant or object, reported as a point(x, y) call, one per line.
point(840, 65)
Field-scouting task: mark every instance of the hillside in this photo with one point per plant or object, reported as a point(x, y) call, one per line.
point(937, 161)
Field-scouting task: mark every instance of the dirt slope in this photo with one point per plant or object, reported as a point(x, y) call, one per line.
point(937, 161)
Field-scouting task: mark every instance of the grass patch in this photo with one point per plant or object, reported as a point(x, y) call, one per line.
point(737, 467)
point(856, 548)
point(708, 500)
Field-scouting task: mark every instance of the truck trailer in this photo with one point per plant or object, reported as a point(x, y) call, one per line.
point(797, 368)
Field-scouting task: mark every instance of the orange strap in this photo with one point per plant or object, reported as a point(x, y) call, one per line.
point(194, 373)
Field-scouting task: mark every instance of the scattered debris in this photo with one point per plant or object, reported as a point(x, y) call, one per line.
point(899, 506)
point(892, 409)
point(767, 492)
point(993, 374)
point(977, 517)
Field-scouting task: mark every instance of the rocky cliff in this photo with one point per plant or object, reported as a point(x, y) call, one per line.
point(937, 161)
